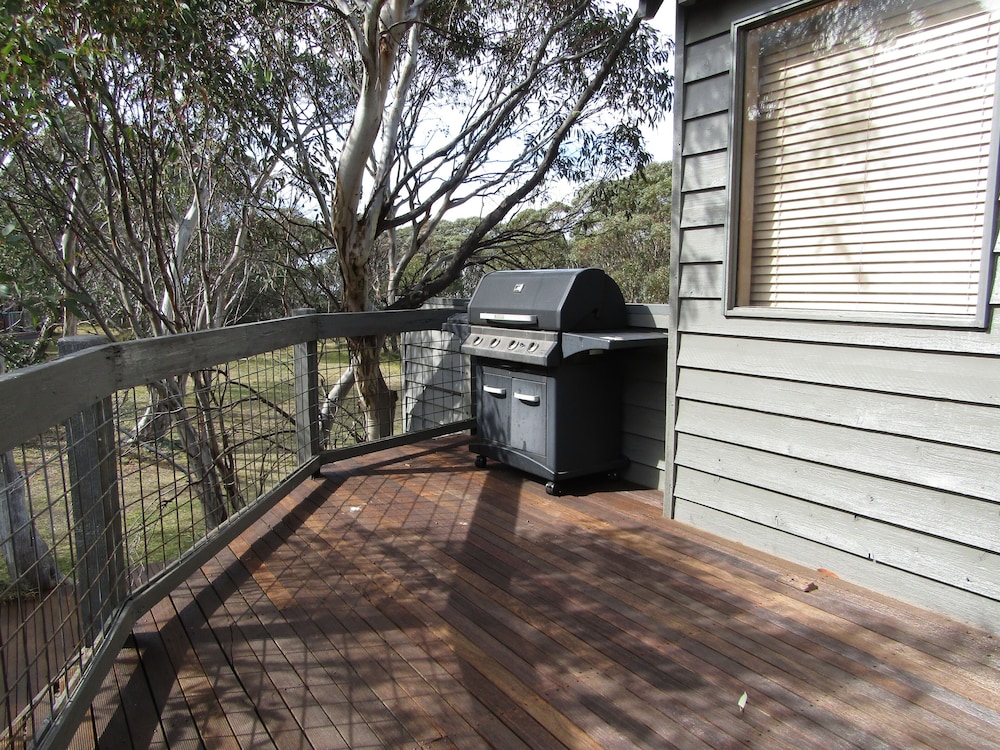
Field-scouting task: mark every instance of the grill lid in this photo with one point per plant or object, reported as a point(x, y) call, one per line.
point(562, 299)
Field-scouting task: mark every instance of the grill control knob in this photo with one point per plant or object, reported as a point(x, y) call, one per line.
point(477, 340)
point(532, 346)
point(512, 345)
point(494, 343)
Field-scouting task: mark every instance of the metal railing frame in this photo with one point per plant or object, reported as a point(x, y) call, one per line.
point(34, 399)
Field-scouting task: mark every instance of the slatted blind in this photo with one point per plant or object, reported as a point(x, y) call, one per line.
point(866, 150)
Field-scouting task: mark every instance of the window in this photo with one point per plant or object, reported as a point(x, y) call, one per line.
point(864, 167)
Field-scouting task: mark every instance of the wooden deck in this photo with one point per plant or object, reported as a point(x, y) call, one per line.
point(410, 600)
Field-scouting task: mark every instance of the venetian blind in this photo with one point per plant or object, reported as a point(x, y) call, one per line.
point(866, 150)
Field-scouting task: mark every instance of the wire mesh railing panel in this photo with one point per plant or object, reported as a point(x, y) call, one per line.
point(99, 508)
point(41, 638)
point(421, 380)
point(341, 410)
point(194, 450)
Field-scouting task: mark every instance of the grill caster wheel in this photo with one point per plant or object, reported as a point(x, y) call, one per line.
point(553, 489)
point(481, 462)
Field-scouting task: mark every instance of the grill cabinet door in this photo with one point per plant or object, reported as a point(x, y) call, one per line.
point(527, 415)
point(494, 406)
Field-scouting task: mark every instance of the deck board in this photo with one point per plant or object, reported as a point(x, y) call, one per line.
point(410, 600)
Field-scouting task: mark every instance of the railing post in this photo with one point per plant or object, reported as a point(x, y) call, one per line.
point(97, 516)
point(306, 355)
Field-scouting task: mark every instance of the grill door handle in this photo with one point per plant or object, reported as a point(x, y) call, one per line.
point(494, 391)
point(528, 398)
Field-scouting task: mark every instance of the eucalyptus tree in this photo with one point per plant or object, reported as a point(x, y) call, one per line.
point(532, 238)
point(626, 229)
point(137, 142)
point(27, 288)
point(460, 108)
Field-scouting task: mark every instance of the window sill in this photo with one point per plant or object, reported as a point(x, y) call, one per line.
point(958, 322)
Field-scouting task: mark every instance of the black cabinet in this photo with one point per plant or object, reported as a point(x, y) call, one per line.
point(555, 423)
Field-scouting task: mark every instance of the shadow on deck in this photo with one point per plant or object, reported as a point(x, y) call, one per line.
point(410, 600)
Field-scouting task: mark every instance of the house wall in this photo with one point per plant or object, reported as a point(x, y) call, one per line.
point(645, 402)
point(871, 451)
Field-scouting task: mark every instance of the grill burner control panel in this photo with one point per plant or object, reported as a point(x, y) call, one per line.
point(548, 348)
point(526, 347)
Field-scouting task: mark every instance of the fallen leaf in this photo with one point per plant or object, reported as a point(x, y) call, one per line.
point(742, 702)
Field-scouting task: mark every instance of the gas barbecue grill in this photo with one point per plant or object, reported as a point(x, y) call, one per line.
point(549, 387)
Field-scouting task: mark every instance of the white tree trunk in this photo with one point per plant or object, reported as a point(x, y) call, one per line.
point(332, 402)
point(379, 38)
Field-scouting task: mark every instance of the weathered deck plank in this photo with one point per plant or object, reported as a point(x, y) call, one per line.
point(411, 600)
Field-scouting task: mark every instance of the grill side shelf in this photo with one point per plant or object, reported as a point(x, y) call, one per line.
point(575, 343)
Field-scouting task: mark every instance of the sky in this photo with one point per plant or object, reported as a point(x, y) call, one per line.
point(660, 141)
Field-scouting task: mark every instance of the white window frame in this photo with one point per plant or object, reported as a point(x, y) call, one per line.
point(735, 301)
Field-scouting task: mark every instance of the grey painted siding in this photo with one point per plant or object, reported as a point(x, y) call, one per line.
point(645, 403)
point(867, 450)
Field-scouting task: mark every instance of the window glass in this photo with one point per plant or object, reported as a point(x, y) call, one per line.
point(865, 159)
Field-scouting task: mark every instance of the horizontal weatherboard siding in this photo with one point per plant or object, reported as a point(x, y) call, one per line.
point(946, 467)
point(705, 134)
point(706, 317)
point(705, 171)
point(937, 559)
point(926, 374)
point(968, 521)
point(869, 450)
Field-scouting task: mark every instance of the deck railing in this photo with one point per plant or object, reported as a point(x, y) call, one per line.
point(126, 466)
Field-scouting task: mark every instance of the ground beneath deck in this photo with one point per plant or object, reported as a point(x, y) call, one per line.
point(410, 600)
